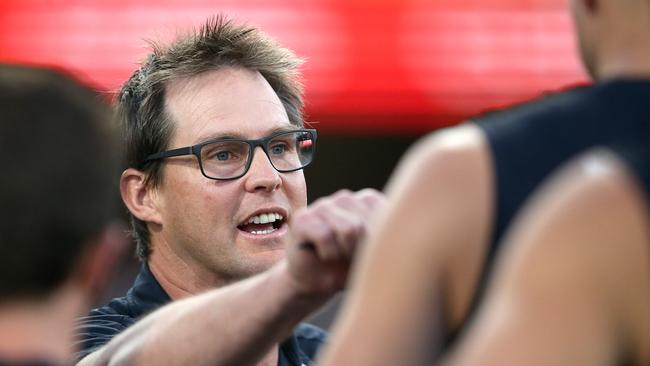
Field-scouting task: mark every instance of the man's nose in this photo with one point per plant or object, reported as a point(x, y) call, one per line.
point(261, 174)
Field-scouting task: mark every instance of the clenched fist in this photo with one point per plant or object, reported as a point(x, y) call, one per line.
point(325, 237)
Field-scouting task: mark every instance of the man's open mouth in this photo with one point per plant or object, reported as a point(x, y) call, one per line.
point(263, 224)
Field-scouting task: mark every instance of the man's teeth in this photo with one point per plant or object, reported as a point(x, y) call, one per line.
point(265, 218)
point(263, 232)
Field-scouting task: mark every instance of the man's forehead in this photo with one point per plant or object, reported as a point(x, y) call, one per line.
point(219, 84)
point(229, 102)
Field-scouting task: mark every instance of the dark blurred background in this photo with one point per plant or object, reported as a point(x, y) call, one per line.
point(379, 74)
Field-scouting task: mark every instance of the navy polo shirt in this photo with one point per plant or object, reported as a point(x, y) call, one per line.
point(146, 295)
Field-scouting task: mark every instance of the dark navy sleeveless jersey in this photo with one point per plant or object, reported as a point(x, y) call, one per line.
point(530, 141)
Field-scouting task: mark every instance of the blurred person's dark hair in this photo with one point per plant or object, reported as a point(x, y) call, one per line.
point(58, 187)
point(219, 43)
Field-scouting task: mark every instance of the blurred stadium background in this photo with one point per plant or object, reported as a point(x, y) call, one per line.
point(379, 74)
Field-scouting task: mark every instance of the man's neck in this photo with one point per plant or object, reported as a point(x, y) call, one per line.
point(33, 330)
point(625, 55)
point(179, 278)
point(625, 67)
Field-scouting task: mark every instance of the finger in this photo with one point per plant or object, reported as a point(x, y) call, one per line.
point(310, 230)
point(348, 227)
point(349, 201)
point(371, 199)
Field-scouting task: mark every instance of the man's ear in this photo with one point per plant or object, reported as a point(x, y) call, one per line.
point(95, 265)
point(139, 197)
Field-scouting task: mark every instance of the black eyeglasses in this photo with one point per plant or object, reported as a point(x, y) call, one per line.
point(224, 159)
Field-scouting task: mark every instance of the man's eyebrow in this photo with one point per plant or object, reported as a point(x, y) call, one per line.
point(239, 135)
point(218, 136)
point(282, 129)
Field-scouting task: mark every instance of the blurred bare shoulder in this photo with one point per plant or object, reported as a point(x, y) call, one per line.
point(449, 153)
point(445, 177)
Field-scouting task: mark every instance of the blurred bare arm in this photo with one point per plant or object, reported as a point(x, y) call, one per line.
point(238, 324)
point(234, 325)
point(417, 271)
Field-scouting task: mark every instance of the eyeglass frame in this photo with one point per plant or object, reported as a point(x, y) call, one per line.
point(262, 142)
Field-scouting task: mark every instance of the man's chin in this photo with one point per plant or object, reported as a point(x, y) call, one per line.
point(258, 254)
point(262, 261)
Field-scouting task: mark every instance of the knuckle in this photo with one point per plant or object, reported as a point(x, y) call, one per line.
point(316, 204)
point(370, 193)
point(342, 194)
point(326, 205)
point(372, 197)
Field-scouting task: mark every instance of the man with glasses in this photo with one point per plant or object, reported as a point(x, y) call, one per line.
point(215, 148)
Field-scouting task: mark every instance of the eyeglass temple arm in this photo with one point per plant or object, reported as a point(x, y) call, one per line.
point(188, 150)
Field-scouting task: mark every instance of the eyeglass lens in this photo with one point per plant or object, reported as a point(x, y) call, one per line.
point(287, 152)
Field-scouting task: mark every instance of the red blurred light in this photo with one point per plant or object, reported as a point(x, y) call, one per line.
point(373, 66)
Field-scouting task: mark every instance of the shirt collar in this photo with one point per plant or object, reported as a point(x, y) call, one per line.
point(146, 293)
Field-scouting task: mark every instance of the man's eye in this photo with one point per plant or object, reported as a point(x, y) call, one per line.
point(222, 155)
point(278, 149)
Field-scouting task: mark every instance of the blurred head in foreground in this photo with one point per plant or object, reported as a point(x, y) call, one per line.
point(58, 194)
